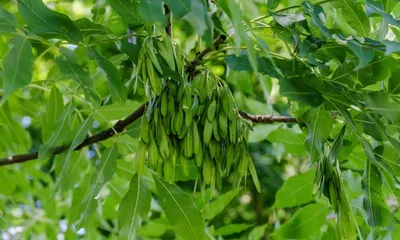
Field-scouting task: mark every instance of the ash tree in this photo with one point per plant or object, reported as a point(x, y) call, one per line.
point(195, 119)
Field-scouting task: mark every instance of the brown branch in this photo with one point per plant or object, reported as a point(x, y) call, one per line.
point(270, 118)
point(122, 124)
point(168, 28)
point(103, 135)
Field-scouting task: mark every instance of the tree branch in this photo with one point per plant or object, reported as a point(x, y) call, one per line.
point(270, 118)
point(122, 124)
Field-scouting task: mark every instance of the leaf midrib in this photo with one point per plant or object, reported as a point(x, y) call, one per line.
point(183, 213)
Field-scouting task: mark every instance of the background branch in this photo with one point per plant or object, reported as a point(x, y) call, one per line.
point(122, 124)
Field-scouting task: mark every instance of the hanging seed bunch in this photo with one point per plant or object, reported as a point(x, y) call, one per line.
point(192, 122)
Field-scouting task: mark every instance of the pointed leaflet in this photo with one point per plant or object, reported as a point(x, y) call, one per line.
point(231, 229)
point(305, 222)
point(180, 210)
point(152, 11)
point(292, 141)
point(15, 138)
point(104, 171)
point(219, 204)
point(319, 124)
point(89, 28)
point(59, 134)
point(296, 191)
point(380, 103)
point(373, 202)
point(253, 173)
point(200, 20)
point(74, 71)
point(128, 10)
point(179, 8)
point(79, 135)
point(317, 14)
point(134, 206)
point(117, 88)
point(296, 89)
point(233, 10)
point(47, 22)
point(17, 65)
point(377, 8)
point(349, 16)
point(7, 21)
point(54, 110)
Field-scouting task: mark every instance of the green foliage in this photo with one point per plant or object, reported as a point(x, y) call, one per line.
point(179, 167)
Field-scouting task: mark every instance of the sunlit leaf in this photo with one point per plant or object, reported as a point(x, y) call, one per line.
point(152, 11)
point(117, 88)
point(293, 142)
point(129, 11)
point(47, 22)
point(134, 207)
point(179, 8)
point(231, 229)
point(60, 133)
point(296, 191)
point(17, 65)
point(180, 210)
point(219, 204)
point(7, 21)
point(305, 223)
point(89, 28)
point(319, 124)
point(105, 169)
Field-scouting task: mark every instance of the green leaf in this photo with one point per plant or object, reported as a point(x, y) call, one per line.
point(296, 191)
point(200, 20)
point(374, 8)
point(117, 88)
point(155, 228)
point(115, 111)
point(48, 23)
point(258, 232)
point(152, 11)
point(59, 134)
point(394, 83)
point(54, 110)
point(319, 124)
point(298, 90)
point(262, 131)
point(129, 11)
point(253, 173)
point(219, 204)
point(7, 21)
point(350, 13)
point(179, 8)
point(286, 20)
point(391, 47)
point(231, 229)
point(317, 14)
point(380, 103)
point(293, 142)
point(74, 71)
point(364, 53)
point(305, 223)
point(105, 169)
point(79, 134)
point(181, 211)
point(134, 207)
point(17, 65)
point(89, 28)
point(15, 139)
point(373, 202)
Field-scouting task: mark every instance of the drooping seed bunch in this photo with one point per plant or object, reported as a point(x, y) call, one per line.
point(194, 122)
